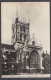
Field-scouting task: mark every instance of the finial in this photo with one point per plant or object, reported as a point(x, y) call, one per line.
point(33, 34)
point(28, 16)
point(16, 12)
point(21, 10)
point(46, 52)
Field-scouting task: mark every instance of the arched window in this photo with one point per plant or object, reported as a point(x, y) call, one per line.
point(33, 43)
point(20, 37)
point(33, 59)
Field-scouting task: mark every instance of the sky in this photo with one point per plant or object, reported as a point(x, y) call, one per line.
point(38, 13)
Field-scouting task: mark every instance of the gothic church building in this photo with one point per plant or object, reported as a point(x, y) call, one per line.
point(24, 55)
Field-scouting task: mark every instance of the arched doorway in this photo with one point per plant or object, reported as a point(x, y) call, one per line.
point(34, 61)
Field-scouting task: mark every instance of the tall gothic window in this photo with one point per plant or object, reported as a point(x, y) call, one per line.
point(20, 37)
point(18, 28)
point(24, 29)
point(34, 59)
point(24, 38)
point(21, 28)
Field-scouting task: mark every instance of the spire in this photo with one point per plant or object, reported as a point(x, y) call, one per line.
point(21, 10)
point(33, 34)
point(16, 12)
point(16, 19)
point(28, 16)
point(33, 37)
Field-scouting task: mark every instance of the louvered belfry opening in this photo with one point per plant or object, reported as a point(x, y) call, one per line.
point(20, 31)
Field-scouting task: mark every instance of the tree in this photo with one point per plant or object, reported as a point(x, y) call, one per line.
point(46, 63)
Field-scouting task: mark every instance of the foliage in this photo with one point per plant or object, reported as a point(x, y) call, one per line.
point(46, 63)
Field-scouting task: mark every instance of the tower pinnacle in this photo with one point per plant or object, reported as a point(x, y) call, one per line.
point(16, 12)
point(28, 16)
point(33, 34)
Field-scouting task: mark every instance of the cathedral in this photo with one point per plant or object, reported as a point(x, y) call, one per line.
point(24, 55)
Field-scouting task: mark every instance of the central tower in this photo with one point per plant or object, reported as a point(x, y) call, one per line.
point(20, 33)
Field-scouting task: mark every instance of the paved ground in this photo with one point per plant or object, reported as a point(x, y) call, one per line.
point(27, 76)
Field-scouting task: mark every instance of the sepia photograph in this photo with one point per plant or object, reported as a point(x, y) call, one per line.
point(25, 39)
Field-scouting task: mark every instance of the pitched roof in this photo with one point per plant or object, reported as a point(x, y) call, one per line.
point(33, 39)
point(7, 46)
